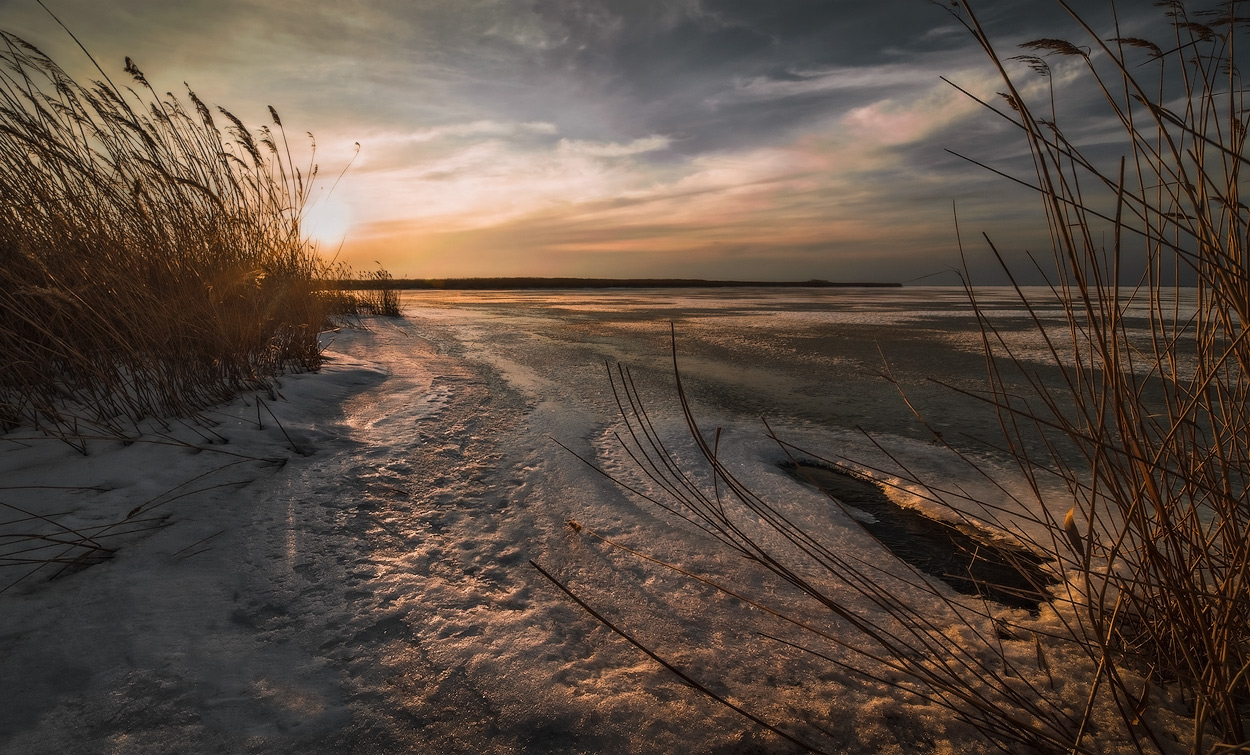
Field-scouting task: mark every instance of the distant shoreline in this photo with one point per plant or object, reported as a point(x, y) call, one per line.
point(504, 284)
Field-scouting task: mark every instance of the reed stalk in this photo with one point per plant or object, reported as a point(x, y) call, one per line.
point(1147, 643)
point(151, 258)
point(1154, 354)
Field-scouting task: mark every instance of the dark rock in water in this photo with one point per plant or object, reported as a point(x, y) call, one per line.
point(970, 564)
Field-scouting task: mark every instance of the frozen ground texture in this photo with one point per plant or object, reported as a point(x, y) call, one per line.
point(342, 567)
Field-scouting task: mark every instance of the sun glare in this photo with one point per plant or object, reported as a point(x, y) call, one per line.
point(326, 221)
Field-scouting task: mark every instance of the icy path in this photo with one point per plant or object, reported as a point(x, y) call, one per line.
point(372, 596)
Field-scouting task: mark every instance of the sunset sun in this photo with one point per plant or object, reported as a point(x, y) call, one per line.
point(327, 222)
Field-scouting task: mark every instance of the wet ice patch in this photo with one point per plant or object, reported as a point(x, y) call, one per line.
point(966, 557)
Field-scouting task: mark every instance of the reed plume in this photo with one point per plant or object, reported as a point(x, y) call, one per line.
point(151, 258)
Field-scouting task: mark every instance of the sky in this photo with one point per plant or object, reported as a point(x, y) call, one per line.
point(725, 139)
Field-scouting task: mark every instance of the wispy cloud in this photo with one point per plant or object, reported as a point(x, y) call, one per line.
point(482, 128)
point(809, 83)
point(598, 134)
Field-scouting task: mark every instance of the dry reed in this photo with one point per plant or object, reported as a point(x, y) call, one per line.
point(371, 293)
point(1148, 647)
point(1156, 370)
point(151, 259)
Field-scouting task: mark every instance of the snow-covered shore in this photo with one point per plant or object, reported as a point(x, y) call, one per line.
point(343, 568)
point(347, 576)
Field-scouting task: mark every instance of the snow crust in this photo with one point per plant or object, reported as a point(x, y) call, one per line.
point(342, 566)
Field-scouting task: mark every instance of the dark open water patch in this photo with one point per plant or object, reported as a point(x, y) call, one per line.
point(970, 564)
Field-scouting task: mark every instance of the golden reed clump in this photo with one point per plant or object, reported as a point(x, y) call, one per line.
point(151, 258)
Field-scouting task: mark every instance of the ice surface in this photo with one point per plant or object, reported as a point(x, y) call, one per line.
point(343, 568)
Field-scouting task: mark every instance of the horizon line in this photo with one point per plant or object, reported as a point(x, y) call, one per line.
point(535, 282)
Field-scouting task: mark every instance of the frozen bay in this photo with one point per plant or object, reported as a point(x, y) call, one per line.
point(347, 570)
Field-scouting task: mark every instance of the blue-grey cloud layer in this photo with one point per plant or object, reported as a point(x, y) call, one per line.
point(787, 138)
